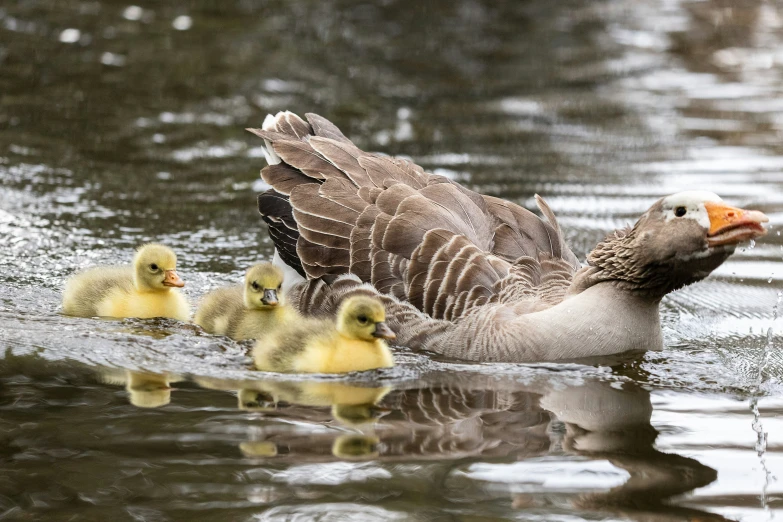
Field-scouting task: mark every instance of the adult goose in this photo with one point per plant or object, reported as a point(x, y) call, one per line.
point(472, 276)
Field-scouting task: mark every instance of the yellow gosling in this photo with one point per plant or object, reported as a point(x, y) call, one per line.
point(148, 288)
point(356, 342)
point(249, 311)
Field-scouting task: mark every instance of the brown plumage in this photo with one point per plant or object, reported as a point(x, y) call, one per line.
point(475, 276)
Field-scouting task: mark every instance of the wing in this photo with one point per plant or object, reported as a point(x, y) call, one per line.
point(419, 237)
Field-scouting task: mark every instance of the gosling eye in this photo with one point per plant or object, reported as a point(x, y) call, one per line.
point(680, 211)
point(362, 319)
point(280, 286)
point(154, 267)
point(255, 286)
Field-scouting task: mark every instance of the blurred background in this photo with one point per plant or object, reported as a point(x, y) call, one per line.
point(123, 123)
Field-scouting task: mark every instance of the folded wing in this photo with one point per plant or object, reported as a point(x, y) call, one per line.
point(334, 209)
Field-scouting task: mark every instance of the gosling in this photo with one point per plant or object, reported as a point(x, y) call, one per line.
point(246, 312)
point(149, 288)
point(356, 342)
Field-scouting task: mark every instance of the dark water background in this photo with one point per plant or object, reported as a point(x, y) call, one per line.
point(121, 124)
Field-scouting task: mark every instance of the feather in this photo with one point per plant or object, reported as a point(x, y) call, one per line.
point(389, 200)
point(361, 243)
point(473, 220)
point(344, 157)
point(342, 192)
point(565, 252)
point(325, 128)
point(324, 226)
point(382, 277)
point(327, 240)
point(306, 200)
point(319, 260)
point(302, 156)
point(382, 169)
point(370, 194)
point(283, 178)
point(292, 125)
point(276, 212)
point(438, 267)
point(379, 229)
point(420, 261)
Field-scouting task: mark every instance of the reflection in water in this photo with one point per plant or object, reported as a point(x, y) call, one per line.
point(353, 406)
point(510, 425)
point(613, 423)
point(145, 390)
point(114, 120)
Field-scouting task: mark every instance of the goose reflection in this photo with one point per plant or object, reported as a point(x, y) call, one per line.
point(612, 423)
point(487, 422)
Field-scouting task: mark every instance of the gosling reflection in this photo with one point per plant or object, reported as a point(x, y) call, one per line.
point(145, 390)
point(350, 407)
point(356, 447)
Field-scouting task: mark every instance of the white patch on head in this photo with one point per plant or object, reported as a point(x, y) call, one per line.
point(693, 203)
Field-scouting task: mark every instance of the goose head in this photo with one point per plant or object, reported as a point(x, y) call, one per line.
point(363, 317)
point(155, 269)
point(681, 239)
point(263, 284)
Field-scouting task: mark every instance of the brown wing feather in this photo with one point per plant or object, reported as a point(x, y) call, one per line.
point(293, 125)
point(325, 128)
point(283, 178)
point(415, 235)
point(343, 157)
point(302, 156)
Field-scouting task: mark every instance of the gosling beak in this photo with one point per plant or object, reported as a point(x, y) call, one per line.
point(172, 279)
point(270, 297)
point(730, 225)
point(382, 331)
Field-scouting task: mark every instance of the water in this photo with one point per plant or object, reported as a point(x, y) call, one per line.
point(123, 123)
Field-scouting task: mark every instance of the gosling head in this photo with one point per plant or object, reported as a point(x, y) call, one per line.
point(263, 283)
point(155, 269)
point(363, 317)
point(678, 241)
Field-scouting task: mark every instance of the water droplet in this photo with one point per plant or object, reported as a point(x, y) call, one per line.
point(182, 23)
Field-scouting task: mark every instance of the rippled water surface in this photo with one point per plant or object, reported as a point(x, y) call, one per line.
point(121, 124)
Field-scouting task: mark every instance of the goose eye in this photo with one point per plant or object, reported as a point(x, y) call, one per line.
point(362, 319)
point(680, 211)
point(255, 285)
point(154, 267)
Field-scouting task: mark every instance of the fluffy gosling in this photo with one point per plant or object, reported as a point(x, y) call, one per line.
point(355, 342)
point(248, 311)
point(148, 288)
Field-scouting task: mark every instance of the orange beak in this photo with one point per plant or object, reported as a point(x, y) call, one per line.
point(172, 279)
point(730, 225)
